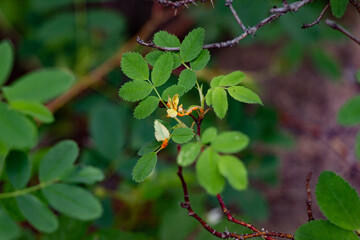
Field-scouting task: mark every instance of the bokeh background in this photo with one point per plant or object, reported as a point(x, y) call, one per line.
point(302, 76)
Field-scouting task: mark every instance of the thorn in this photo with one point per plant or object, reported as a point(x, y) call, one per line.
point(195, 3)
point(186, 5)
point(212, 3)
point(175, 12)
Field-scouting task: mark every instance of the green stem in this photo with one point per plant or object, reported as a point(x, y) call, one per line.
point(27, 190)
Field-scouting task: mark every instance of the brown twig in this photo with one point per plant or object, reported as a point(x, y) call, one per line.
point(356, 4)
point(177, 4)
point(277, 12)
point(228, 3)
point(339, 28)
point(97, 75)
point(309, 197)
point(318, 19)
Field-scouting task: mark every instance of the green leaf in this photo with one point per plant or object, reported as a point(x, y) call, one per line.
point(146, 107)
point(73, 201)
point(232, 79)
point(208, 173)
point(134, 66)
point(161, 132)
point(188, 154)
point(187, 79)
point(215, 82)
point(323, 230)
point(182, 135)
point(208, 135)
point(153, 56)
point(84, 175)
point(326, 64)
point(235, 172)
point(41, 86)
point(338, 7)
point(172, 91)
point(165, 39)
point(230, 142)
point(8, 227)
point(17, 132)
point(144, 167)
point(33, 109)
point(3, 153)
point(349, 113)
point(18, 169)
point(338, 201)
point(191, 47)
point(201, 61)
point(208, 97)
point(58, 160)
point(176, 59)
point(107, 125)
point(39, 216)
point(135, 90)
point(357, 147)
point(162, 69)
point(243, 94)
point(219, 101)
point(7, 60)
point(149, 147)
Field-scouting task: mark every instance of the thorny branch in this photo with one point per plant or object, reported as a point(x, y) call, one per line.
point(309, 197)
point(276, 12)
point(339, 28)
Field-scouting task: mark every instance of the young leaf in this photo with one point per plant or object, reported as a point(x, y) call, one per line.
point(243, 94)
point(73, 201)
point(8, 227)
point(188, 154)
point(135, 90)
point(230, 142)
point(84, 175)
point(107, 125)
point(192, 45)
point(338, 7)
point(172, 91)
point(162, 69)
point(235, 172)
point(165, 39)
point(201, 61)
point(17, 131)
point(33, 109)
point(208, 97)
point(134, 66)
point(215, 82)
point(182, 135)
point(39, 216)
point(7, 60)
point(219, 101)
point(146, 107)
point(149, 147)
point(338, 201)
point(40, 86)
point(349, 113)
point(161, 132)
point(208, 173)
point(144, 167)
point(208, 135)
point(153, 56)
point(187, 79)
point(18, 169)
point(323, 230)
point(58, 160)
point(232, 79)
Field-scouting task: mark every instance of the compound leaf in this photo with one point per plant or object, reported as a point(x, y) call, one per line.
point(38, 215)
point(162, 69)
point(165, 39)
point(144, 167)
point(172, 91)
point(84, 175)
point(134, 66)
point(146, 107)
point(149, 147)
point(161, 132)
point(188, 154)
point(33, 109)
point(338, 7)
point(234, 171)
point(18, 169)
point(215, 82)
point(243, 94)
point(191, 47)
point(7, 60)
point(232, 79)
point(208, 135)
point(230, 142)
point(182, 135)
point(338, 201)
point(219, 101)
point(201, 61)
point(187, 79)
point(73, 201)
point(8, 227)
point(135, 90)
